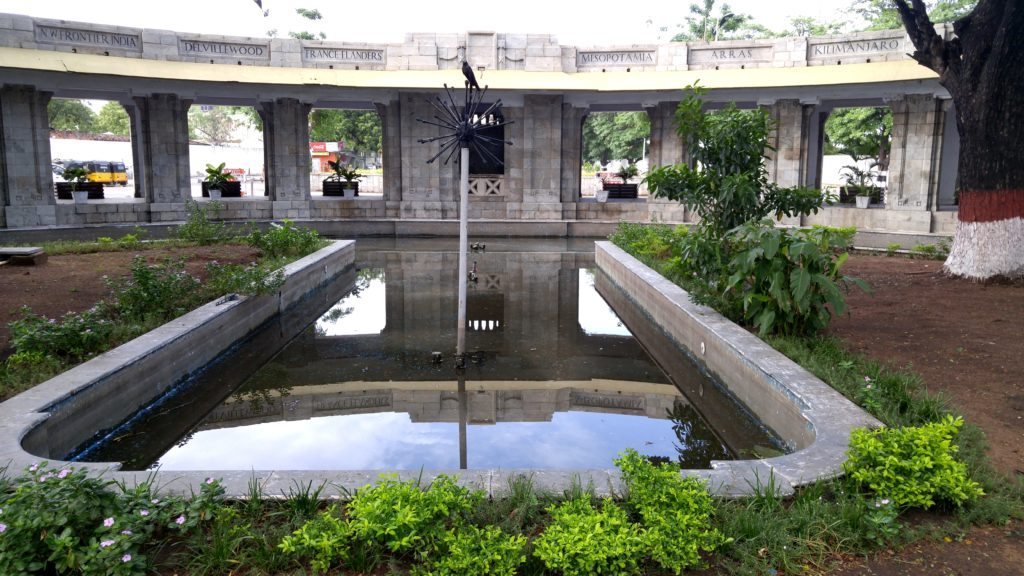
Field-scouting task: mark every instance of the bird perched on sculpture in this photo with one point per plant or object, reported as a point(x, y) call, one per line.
point(467, 71)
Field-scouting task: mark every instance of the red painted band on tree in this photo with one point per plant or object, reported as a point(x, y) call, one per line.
point(991, 205)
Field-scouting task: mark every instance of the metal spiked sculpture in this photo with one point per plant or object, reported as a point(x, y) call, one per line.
point(462, 129)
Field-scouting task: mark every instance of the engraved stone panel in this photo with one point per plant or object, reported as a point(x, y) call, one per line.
point(824, 49)
point(198, 48)
point(338, 54)
point(86, 37)
point(616, 58)
point(733, 55)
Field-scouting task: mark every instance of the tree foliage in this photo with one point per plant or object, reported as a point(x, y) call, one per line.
point(882, 14)
point(611, 136)
point(358, 129)
point(213, 126)
point(70, 115)
point(810, 26)
point(112, 118)
point(705, 24)
point(860, 133)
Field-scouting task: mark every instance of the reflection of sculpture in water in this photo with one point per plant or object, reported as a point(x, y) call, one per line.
point(697, 445)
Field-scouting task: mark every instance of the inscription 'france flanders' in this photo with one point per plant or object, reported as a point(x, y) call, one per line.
point(342, 55)
point(87, 37)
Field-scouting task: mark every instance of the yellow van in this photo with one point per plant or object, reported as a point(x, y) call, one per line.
point(102, 171)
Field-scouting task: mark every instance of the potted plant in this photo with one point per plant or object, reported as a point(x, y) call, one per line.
point(77, 186)
point(343, 182)
point(623, 189)
point(219, 183)
point(859, 182)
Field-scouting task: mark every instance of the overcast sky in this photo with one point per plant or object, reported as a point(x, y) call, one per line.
point(598, 22)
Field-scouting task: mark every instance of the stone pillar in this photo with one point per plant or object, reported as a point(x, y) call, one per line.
point(950, 158)
point(542, 148)
point(286, 156)
point(159, 127)
point(420, 182)
point(917, 127)
point(391, 142)
point(26, 182)
point(666, 148)
point(572, 152)
point(787, 161)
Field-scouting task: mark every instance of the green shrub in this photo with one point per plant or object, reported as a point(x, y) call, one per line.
point(284, 240)
point(75, 337)
point(473, 551)
point(582, 540)
point(404, 518)
point(676, 512)
point(254, 279)
point(199, 226)
point(939, 251)
point(892, 248)
point(324, 541)
point(787, 281)
point(912, 466)
point(155, 292)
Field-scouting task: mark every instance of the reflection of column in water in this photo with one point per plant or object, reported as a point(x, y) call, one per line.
point(462, 419)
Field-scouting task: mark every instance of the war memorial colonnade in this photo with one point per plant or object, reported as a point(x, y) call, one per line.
point(547, 89)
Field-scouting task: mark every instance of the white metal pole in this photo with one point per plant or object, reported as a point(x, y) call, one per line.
point(460, 348)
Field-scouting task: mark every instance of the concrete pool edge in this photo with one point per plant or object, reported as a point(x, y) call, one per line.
point(812, 417)
point(105, 390)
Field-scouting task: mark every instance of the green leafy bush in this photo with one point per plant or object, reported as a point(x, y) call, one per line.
point(405, 518)
point(252, 279)
point(284, 240)
point(676, 511)
point(787, 281)
point(473, 551)
point(200, 227)
point(912, 466)
point(892, 248)
point(75, 337)
point(155, 292)
point(583, 540)
point(324, 541)
point(66, 522)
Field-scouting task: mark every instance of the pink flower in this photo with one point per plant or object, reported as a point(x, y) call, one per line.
point(106, 543)
point(180, 520)
point(210, 480)
point(126, 558)
point(33, 468)
point(3, 528)
point(63, 473)
point(126, 532)
point(143, 512)
point(108, 522)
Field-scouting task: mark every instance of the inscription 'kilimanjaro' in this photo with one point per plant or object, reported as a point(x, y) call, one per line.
point(88, 37)
point(623, 58)
point(884, 45)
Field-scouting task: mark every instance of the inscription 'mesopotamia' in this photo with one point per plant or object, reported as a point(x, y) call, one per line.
point(855, 47)
point(222, 49)
point(612, 402)
point(623, 58)
point(341, 55)
point(88, 37)
point(353, 402)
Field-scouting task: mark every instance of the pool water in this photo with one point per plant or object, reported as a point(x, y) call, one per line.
point(554, 380)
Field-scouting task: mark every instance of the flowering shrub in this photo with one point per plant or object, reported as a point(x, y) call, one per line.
point(284, 240)
point(67, 522)
point(155, 291)
point(75, 337)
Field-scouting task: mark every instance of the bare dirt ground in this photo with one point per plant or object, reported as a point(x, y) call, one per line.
point(965, 340)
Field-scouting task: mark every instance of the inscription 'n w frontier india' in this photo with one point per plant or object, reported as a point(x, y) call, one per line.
point(88, 37)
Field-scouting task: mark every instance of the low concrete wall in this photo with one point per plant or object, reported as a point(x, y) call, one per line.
point(53, 418)
point(807, 414)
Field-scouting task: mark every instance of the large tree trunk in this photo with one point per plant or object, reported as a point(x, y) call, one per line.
point(983, 69)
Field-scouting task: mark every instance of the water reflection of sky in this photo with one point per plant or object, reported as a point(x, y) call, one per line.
point(596, 317)
point(362, 312)
point(391, 441)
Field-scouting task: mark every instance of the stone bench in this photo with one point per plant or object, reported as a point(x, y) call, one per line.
point(29, 255)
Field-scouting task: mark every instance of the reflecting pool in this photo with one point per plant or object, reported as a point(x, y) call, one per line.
point(554, 380)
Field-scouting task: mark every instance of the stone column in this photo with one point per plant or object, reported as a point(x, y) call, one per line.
point(949, 158)
point(787, 161)
point(666, 149)
point(666, 146)
point(391, 142)
point(542, 149)
point(26, 182)
point(159, 127)
point(917, 128)
point(572, 153)
point(420, 182)
point(286, 156)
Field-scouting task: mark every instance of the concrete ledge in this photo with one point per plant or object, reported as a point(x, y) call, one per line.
point(812, 418)
point(62, 413)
